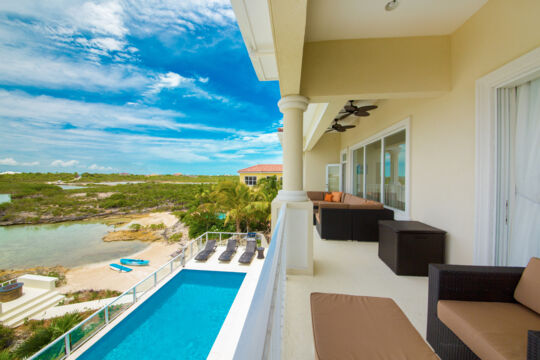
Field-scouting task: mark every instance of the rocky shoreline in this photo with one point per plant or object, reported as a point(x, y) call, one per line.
point(58, 219)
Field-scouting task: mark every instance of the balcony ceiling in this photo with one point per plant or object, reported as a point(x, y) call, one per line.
point(357, 19)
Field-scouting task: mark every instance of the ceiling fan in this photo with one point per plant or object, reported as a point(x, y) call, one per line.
point(337, 127)
point(351, 109)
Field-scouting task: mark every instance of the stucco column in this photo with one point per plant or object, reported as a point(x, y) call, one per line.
point(293, 107)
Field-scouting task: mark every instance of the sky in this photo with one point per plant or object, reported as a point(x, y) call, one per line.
point(138, 86)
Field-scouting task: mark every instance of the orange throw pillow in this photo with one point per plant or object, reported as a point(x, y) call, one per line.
point(328, 197)
point(336, 196)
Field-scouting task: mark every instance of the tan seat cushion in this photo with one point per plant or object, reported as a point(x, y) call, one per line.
point(363, 327)
point(492, 330)
point(315, 195)
point(528, 289)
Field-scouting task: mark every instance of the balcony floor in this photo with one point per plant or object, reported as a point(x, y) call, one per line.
point(347, 267)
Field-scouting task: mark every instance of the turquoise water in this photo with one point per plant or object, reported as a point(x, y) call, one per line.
point(69, 244)
point(222, 216)
point(180, 321)
point(5, 198)
point(71, 187)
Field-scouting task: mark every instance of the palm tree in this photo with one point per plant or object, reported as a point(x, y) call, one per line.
point(233, 198)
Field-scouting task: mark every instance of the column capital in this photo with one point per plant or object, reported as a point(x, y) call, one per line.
point(293, 102)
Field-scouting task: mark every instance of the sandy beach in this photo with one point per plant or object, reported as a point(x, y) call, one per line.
point(100, 277)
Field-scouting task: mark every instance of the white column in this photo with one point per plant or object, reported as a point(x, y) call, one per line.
point(298, 222)
point(293, 108)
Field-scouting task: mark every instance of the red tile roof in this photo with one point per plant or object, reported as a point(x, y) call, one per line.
point(268, 168)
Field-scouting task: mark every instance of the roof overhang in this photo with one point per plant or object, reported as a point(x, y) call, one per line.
point(253, 17)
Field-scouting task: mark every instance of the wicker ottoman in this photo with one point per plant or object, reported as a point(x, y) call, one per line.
point(408, 247)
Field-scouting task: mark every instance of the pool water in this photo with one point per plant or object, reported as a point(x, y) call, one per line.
point(180, 321)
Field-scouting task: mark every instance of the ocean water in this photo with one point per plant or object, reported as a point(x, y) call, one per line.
point(180, 321)
point(69, 244)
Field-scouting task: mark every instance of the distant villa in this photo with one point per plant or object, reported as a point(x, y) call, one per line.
point(251, 175)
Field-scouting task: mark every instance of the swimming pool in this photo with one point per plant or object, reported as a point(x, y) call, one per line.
point(180, 321)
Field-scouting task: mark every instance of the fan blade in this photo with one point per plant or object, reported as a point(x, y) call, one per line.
point(367, 108)
point(348, 127)
point(343, 116)
point(361, 113)
point(341, 130)
point(350, 108)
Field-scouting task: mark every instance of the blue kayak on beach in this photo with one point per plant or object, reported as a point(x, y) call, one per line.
point(119, 268)
point(134, 262)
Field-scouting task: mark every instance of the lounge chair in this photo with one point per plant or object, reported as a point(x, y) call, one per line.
point(208, 250)
point(229, 252)
point(247, 256)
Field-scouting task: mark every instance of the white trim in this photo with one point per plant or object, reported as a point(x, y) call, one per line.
point(339, 172)
point(404, 124)
point(344, 179)
point(520, 70)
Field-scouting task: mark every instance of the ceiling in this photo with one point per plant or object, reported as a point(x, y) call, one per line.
point(356, 19)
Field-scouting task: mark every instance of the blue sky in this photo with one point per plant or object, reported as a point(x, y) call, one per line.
point(135, 86)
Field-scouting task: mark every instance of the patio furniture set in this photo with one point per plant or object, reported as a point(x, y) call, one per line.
point(474, 312)
point(407, 247)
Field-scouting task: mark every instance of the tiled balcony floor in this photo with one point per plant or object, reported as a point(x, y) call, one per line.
point(347, 267)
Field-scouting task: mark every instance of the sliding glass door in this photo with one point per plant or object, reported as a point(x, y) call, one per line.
point(373, 171)
point(379, 170)
point(358, 172)
point(394, 170)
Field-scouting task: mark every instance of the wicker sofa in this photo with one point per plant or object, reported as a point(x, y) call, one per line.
point(480, 312)
point(350, 218)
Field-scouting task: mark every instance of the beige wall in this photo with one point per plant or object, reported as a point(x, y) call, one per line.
point(442, 132)
point(325, 152)
point(409, 66)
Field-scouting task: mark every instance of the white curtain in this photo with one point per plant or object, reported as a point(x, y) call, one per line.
point(524, 239)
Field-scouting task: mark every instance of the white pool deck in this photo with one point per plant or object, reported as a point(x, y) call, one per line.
point(347, 267)
point(228, 337)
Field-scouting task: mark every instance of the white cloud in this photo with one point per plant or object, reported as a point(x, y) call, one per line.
point(170, 80)
point(97, 167)
point(204, 80)
point(13, 162)
point(63, 163)
point(49, 111)
point(8, 161)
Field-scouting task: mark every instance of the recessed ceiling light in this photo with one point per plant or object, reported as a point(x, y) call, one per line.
point(391, 5)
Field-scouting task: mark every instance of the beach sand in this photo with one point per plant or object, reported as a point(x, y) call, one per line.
point(154, 218)
point(100, 277)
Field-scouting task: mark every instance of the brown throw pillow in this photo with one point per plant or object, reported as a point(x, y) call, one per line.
point(528, 289)
point(336, 196)
point(327, 197)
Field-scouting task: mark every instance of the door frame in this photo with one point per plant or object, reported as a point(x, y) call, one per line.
point(339, 173)
point(518, 71)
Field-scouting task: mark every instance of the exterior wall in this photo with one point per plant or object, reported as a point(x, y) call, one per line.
point(259, 176)
point(326, 151)
point(442, 130)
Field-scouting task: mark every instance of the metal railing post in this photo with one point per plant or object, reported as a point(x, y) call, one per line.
point(134, 294)
point(183, 258)
point(220, 240)
point(171, 266)
point(68, 344)
point(107, 314)
point(155, 278)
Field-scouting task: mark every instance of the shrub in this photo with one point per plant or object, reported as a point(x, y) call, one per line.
point(5, 355)
point(40, 338)
point(64, 323)
point(6, 337)
point(135, 227)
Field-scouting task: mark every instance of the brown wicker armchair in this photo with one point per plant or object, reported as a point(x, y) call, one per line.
point(470, 283)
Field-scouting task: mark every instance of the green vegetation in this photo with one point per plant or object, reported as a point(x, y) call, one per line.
point(6, 337)
point(36, 334)
point(88, 295)
point(37, 203)
point(245, 208)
